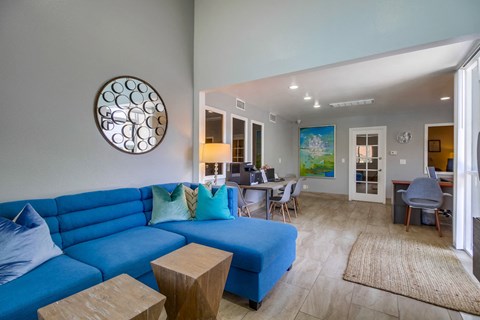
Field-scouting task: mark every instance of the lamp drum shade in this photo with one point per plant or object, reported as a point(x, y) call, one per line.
point(216, 152)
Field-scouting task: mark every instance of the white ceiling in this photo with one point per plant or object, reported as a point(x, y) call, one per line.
point(403, 81)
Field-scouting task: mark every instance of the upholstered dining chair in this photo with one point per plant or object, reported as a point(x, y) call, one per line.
point(282, 200)
point(423, 193)
point(242, 202)
point(296, 193)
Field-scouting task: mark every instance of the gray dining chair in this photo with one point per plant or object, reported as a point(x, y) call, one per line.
point(295, 194)
point(423, 193)
point(282, 201)
point(242, 202)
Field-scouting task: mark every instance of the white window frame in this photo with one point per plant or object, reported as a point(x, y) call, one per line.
point(204, 109)
point(246, 145)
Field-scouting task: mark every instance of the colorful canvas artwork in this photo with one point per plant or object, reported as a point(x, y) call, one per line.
point(317, 152)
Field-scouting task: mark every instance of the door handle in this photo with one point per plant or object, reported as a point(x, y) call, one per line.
point(379, 170)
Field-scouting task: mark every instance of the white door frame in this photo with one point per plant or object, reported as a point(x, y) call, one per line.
point(382, 165)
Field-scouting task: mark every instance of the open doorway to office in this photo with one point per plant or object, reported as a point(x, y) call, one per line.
point(439, 147)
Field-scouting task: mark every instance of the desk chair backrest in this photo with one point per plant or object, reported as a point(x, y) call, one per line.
point(424, 192)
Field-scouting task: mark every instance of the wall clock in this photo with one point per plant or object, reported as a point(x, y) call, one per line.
point(404, 137)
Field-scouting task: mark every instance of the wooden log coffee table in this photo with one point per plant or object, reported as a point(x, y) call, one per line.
point(120, 298)
point(192, 278)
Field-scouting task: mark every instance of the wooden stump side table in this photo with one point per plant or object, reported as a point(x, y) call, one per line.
point(120, 298)
point(193, 279)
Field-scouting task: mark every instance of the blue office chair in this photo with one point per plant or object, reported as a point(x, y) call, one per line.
point(423, 193)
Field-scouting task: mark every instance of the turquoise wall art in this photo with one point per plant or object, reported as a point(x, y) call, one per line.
point(317, 152)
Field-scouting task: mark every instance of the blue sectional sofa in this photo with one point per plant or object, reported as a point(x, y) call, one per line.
point(106, 233)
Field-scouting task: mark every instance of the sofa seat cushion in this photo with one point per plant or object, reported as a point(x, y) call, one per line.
point(53, 280)
point(129, 251)
point(255, 243)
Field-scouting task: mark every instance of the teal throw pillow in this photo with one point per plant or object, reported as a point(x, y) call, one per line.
point(169, 207)
point(213, 207)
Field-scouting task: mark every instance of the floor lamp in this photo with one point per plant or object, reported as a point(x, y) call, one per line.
point(216, 153)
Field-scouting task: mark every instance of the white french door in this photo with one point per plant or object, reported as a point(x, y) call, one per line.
point(366, 178)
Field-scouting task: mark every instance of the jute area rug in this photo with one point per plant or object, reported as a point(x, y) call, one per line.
point(421, 270)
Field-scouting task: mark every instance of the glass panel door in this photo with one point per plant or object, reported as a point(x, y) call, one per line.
point(367, 165)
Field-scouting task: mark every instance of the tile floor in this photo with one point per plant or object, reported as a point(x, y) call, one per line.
point(314, 288)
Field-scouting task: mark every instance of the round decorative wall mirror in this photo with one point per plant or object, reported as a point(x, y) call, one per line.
point(131, 115)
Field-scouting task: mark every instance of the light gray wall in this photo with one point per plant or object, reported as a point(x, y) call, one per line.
point(55, 56)
point(412, 152)
point(277, 136)
point(242, 40)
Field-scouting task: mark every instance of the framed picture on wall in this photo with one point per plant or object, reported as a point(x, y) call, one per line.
point(317, 152)
point(434, 146)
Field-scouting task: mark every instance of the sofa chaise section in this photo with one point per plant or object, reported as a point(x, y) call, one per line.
point(262, 250)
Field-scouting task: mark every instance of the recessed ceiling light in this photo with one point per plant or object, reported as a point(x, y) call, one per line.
point(307, 97)
point(444, 98)
point(351, 103)
point(316, 105)
point(293, 87)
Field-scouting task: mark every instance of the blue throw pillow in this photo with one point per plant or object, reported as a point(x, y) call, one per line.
point(169, 207)
point(213, 207)
point(25, 243)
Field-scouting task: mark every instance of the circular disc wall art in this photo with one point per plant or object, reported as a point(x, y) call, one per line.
point(131, 115)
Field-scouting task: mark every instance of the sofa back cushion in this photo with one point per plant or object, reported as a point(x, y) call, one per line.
point(47, 208)
point(92, 215)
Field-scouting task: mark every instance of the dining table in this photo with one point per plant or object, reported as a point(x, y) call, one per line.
point(268, 188)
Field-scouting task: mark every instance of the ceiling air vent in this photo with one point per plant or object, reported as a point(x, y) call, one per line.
point(240, 104)
point(272, 117)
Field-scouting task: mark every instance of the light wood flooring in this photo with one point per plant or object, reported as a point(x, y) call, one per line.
point(314, 289)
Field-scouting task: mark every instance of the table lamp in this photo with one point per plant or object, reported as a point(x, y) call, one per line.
point(216, 152)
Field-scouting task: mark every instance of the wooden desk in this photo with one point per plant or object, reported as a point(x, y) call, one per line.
point(268, 188)
point(120, 298)
point(399, 207)
point(193, 279)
